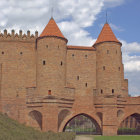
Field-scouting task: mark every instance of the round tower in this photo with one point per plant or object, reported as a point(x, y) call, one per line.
point(51, 60)
point(109, 63)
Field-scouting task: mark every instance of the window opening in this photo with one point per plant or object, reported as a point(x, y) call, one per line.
point(112, 90)
point(49, 92)
point(101, 91)
point(44, 62)
point(77, 77)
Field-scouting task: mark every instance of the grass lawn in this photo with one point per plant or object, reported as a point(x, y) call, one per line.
point(12, 130)
point(116, 137)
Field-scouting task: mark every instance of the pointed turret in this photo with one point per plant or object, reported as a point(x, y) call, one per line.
point(51, 50)
point(52, 29)
point(106, 35)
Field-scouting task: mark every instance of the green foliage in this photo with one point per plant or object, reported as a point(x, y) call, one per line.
point(12, 130)
point(116, 137)
point(128, 131)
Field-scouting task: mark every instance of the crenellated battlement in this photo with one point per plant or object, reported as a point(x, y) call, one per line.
point(5, 36)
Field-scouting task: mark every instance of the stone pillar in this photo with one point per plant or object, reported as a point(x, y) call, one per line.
point(50, 118)
point(109, 117)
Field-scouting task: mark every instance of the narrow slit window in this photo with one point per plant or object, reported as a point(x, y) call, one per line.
point(46, 46)
point(119, 68)
point(58, 46)
point(21, 53)
point(44, 62)
point(116, 51)
point(103, 67)
point(2, 52)
point(61, 63)
point(85, 84)
point(112, 90)
point(73, 55)
point(107, 51)
point(101, 91)
point(77, 77)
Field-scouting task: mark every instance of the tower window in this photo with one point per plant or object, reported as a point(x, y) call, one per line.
point(21, 53)
point(107, 51)
point(101, 91)
point(119, 68)
point(58, 46)
point(112, 90)
point(86, 56)
point(44, 62)
point(49, 92)
point(46, 46)
point(61, 63)
point(2, 52)
point(77, 77)
point(72, 54)
point(85, 84)
point(103, 67)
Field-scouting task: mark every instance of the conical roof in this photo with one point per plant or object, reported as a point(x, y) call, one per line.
point(52, 29)
point(106, 35)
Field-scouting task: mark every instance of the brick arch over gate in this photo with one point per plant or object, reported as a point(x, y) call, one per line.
point(127, 114)
point(71, 116)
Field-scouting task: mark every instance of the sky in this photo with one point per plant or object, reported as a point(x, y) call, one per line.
point(81, 22)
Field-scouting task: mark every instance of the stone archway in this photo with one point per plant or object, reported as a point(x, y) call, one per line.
point(83, 124)
point(35, 119)
point(130, 125)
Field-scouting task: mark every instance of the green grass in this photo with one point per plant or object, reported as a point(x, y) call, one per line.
point(12, 130)
point(116, 137)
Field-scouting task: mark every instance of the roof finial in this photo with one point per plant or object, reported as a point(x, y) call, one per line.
point(106, 17)
point(52, 12)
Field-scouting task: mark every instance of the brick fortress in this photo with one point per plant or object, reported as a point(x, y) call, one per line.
point(44, 82)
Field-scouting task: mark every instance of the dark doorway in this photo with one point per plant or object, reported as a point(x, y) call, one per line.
point(83, 124)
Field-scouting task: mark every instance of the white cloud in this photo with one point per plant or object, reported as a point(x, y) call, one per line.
point(75, 34)
point(117, 28)
point(113, 3)
point(132, 66)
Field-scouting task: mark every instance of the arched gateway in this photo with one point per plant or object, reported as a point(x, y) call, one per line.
point(83, 124)
point(130, 125)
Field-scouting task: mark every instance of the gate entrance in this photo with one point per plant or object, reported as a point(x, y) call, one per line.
point(130, 126)
point(83, 124)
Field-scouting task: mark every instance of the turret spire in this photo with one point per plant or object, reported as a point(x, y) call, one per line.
point(52, 29)
point(106, 35)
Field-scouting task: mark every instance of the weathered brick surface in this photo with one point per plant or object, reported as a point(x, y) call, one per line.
point(74, 76)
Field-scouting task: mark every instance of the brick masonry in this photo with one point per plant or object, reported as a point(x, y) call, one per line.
point(44, 82)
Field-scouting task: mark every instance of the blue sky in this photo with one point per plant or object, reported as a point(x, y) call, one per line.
point(126, 17)
point(81, 22)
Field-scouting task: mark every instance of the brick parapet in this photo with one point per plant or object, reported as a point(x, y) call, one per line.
point(18, 37)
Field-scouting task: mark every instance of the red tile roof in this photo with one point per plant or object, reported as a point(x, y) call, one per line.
point(52, 29)
point(106, 35)
point(80, 47)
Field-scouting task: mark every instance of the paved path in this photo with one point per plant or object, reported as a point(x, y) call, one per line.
point(84, 138)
